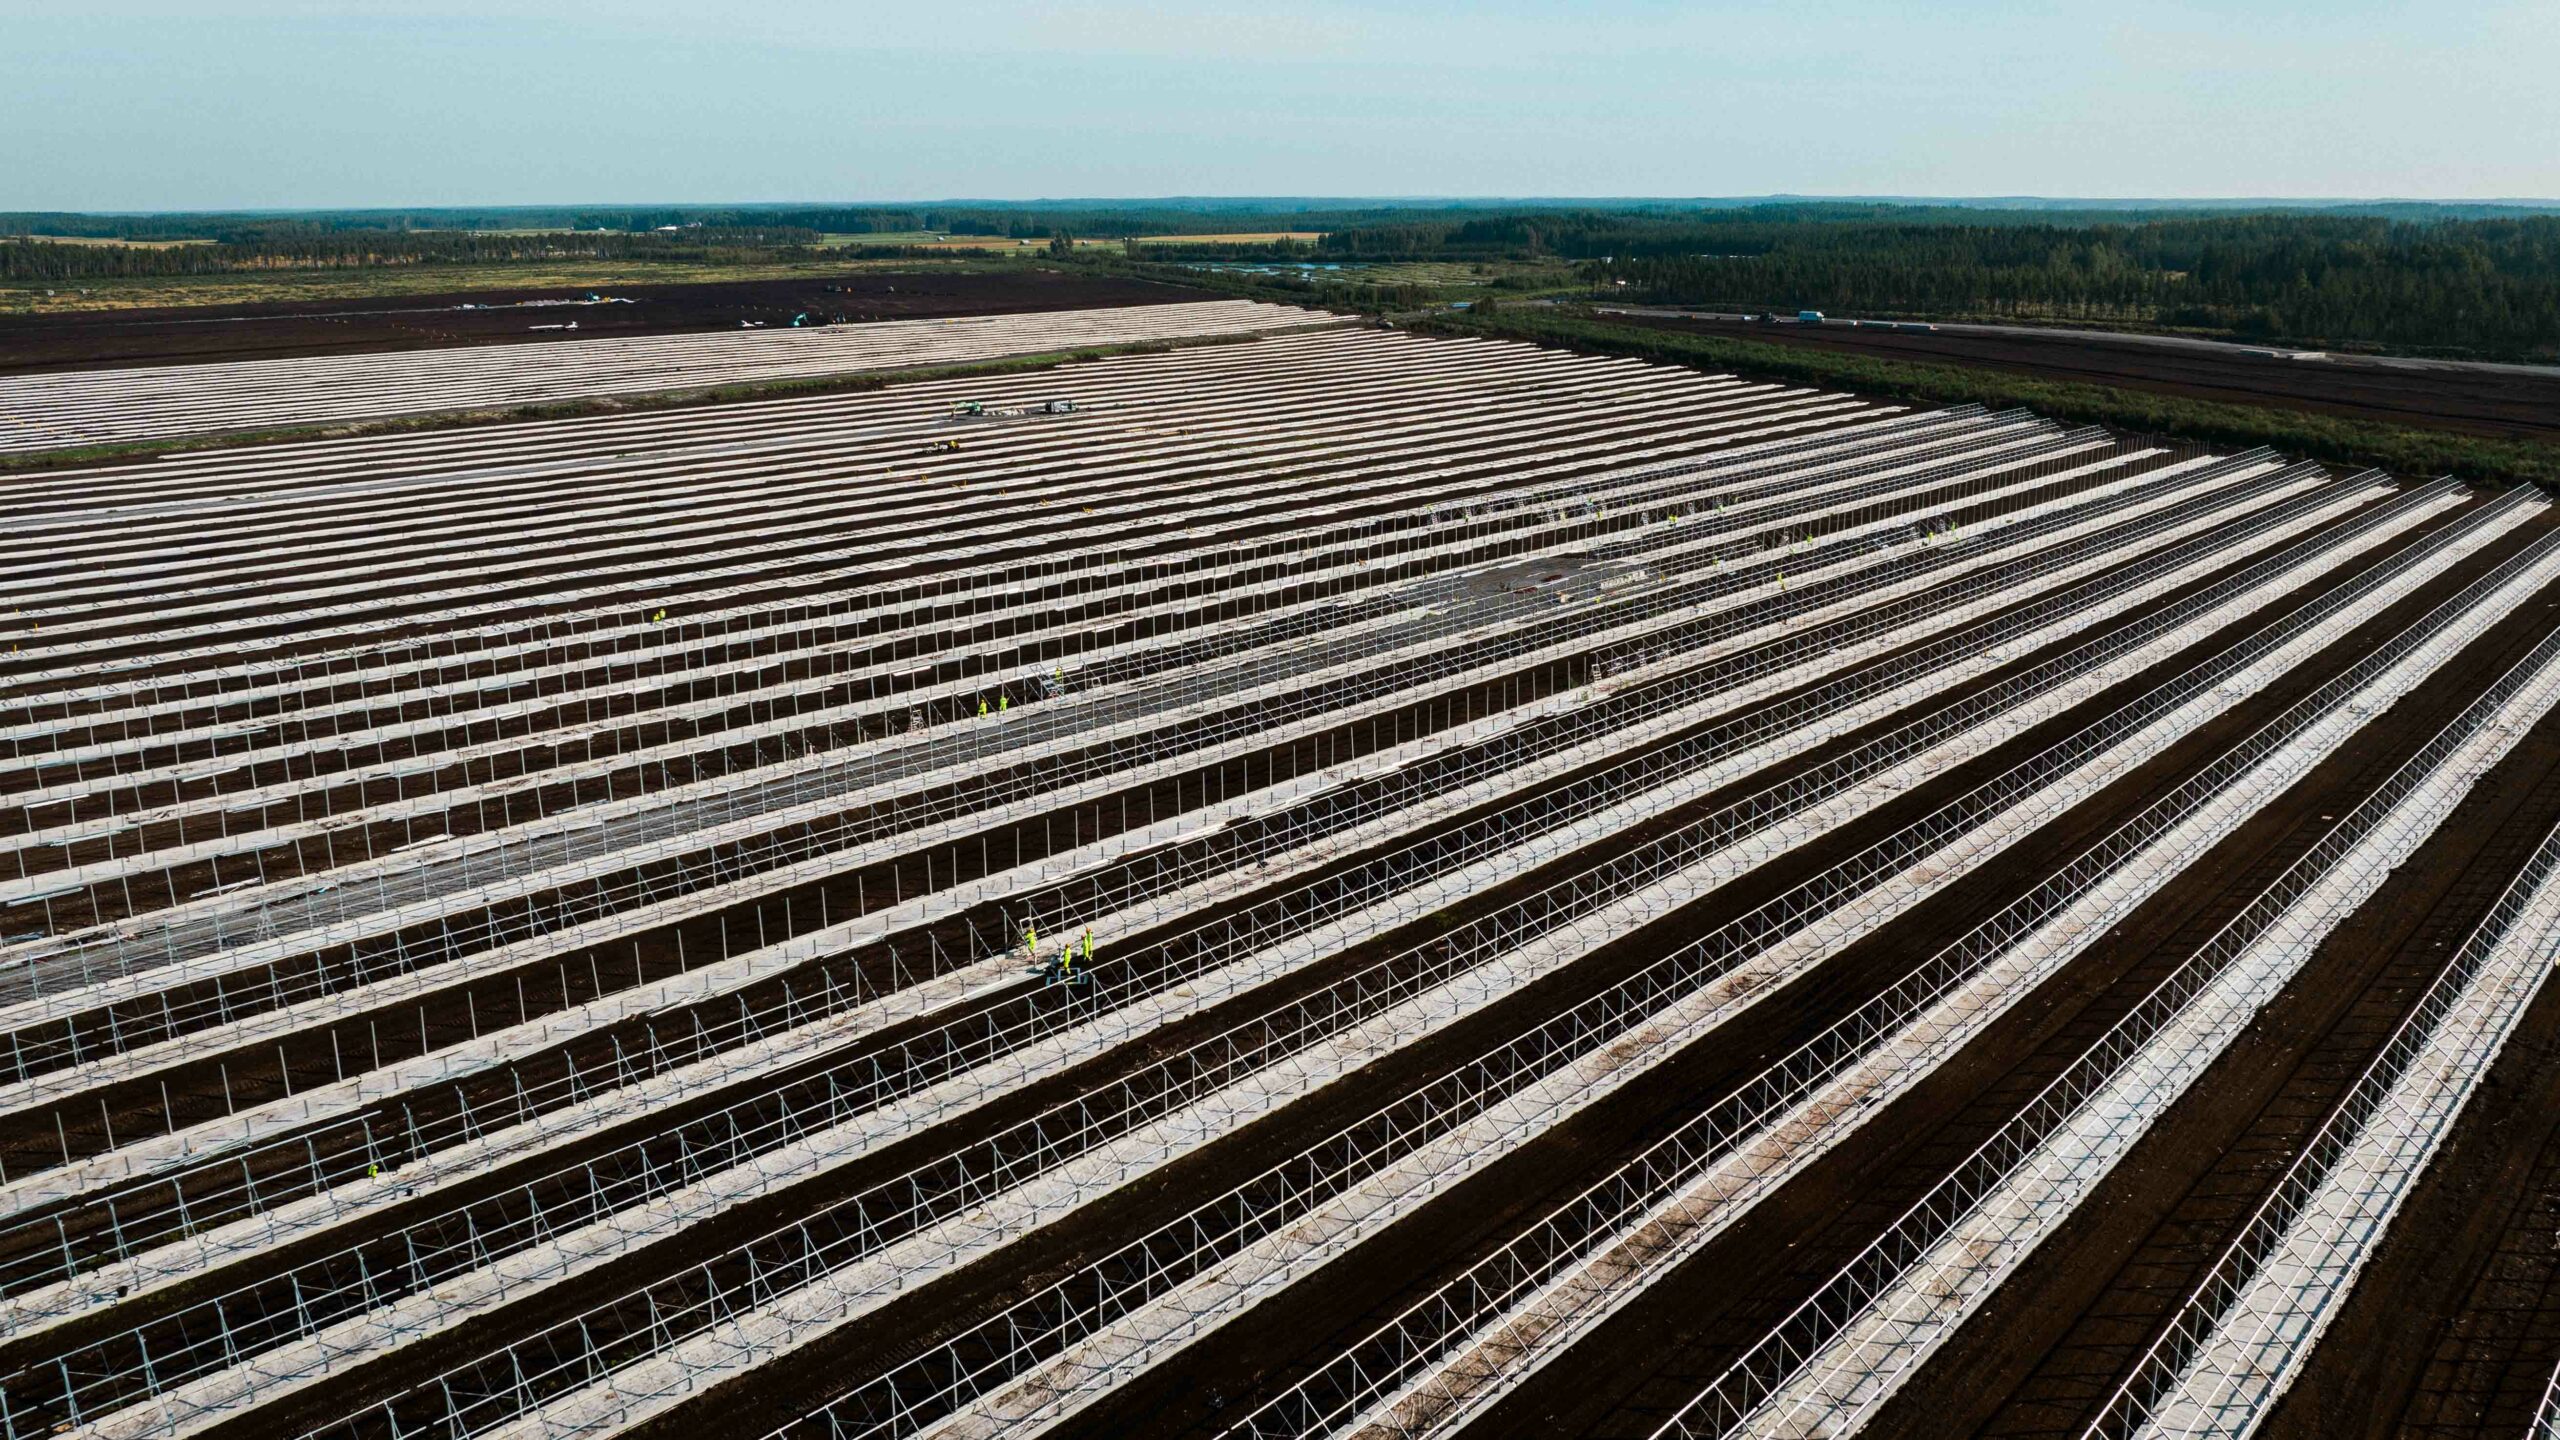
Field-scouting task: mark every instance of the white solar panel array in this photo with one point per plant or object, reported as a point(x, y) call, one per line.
point(448, 864)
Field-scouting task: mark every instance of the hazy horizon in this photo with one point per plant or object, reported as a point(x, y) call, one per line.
point(163, 105)
point(1988, 202)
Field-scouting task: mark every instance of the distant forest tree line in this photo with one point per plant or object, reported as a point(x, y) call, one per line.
point(2482, 286)
point(2478, 286)
point(2469, 279)
point(2453, 285)
point(291, 246)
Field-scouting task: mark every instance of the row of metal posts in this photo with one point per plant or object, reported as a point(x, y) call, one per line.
point(1517, 508)
point(1566, 1235)
point(507, 871)
point(1501, 936)
point(2210, 1306)
point(1793, 913)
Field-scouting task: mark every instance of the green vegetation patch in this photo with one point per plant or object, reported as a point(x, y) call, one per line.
point(1379, 289)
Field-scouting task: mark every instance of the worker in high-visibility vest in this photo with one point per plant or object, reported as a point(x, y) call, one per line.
point(1088, 945)
point(982, 707)
point(1004, 702)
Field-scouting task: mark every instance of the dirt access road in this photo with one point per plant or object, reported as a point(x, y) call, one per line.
point(2508, 401)
point(30, 344)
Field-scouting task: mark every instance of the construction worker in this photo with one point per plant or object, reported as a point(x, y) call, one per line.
point(1004, 703)
point(982, 709)
point(1088, 944)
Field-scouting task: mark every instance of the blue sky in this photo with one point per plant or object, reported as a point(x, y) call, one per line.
point(156, 104)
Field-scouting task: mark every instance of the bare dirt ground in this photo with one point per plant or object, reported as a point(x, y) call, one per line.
point(2453, 1330)
point(85, 340)
point(1679, 1334)
point(2510, 404)
point(2202, 1174)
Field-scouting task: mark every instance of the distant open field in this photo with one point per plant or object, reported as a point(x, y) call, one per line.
point(934, 240)
point(1257, 237)
point(937, 240)
point(1458, 272)
point(1448, 280)
point(321, 323)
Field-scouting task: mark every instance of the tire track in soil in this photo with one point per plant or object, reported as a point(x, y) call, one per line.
point(2453, 1329)
point(2024, 1365)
